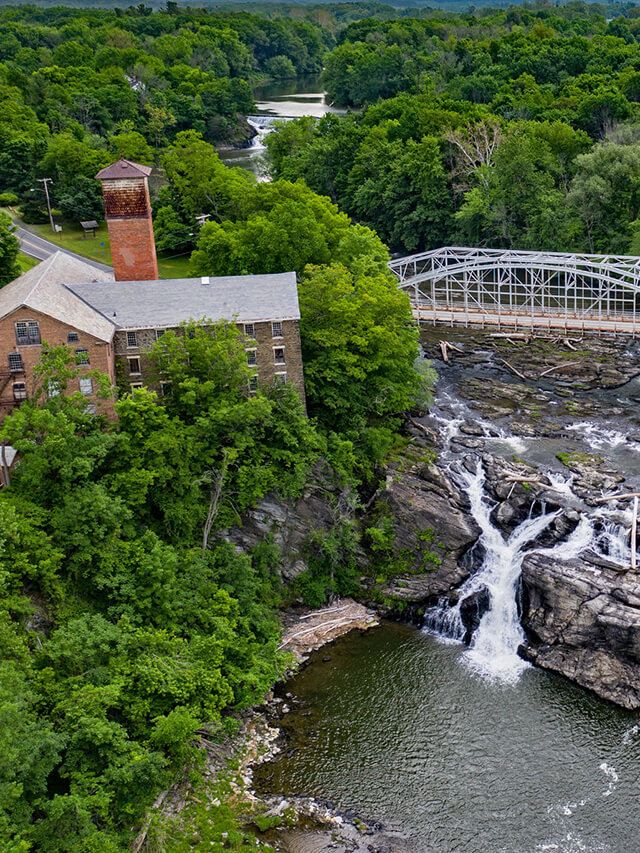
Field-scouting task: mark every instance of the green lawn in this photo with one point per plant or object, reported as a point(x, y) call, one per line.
point(26, 263)
point(98, 247)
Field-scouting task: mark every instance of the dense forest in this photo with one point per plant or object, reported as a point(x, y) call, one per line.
point(130, 629)
point(518, 129)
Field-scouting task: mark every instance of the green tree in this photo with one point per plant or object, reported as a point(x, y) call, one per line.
point(289, 227)
point(9, 248)
point(605, 196)
point(359, 344)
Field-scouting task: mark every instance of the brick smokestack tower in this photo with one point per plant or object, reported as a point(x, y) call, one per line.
point(127, 208)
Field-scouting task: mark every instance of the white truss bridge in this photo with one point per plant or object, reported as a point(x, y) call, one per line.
point(523, 290)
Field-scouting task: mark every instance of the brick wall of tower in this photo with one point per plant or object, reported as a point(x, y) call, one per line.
point(128, 213)
point(133, 249)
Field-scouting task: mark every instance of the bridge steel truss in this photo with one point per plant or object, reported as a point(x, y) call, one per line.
point(496, 287)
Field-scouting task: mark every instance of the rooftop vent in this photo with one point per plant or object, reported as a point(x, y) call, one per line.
point(205, 279)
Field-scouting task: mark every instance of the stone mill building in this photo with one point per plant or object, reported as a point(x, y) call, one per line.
point(111, 321)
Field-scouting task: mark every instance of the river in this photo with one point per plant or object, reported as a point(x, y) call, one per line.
point(471, 749)
point(397, 727)
point(301, 97)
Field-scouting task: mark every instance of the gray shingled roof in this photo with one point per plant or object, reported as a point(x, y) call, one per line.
point(42, 289)
point(124, 169)
point(161, 304)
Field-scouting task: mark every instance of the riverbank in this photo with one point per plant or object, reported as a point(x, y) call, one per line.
point(221, 806)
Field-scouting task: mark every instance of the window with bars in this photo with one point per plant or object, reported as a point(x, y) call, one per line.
point(82, 355)
point(276, 330)
point(86, 385)
point(53, 389)
point(252, 357)
point(280, 378)
point(27, 332)
point(134, 365)
point(160, 333)
point(249, 330)
point(253, 383)
point(15, 361)
point(132, 339)
point(72, 338)
point(278, 355)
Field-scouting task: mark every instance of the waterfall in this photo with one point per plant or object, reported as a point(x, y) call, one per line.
point(262, 130)
point(493, 649)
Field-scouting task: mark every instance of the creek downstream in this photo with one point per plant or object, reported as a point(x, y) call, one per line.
point(468, 747)
point(292, 98)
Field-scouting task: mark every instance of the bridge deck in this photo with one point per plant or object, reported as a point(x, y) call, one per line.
point(625, 324)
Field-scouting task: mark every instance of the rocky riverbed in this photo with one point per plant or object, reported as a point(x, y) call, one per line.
point(549, 427)
point(554, 425)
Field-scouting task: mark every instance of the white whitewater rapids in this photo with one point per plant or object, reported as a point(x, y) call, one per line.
point(493, 651)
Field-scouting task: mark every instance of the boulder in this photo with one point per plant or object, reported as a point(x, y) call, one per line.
point(426, 587)
point(472, 609)
point(582, 620)
point(428, 500)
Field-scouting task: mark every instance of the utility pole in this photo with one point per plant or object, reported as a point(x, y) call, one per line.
point(45, 181)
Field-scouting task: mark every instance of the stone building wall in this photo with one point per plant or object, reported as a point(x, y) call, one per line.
point(134, 367)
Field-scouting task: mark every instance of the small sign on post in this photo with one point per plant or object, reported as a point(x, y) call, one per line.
point(58, 228)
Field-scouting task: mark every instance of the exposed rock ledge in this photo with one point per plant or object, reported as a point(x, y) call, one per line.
point(582, 617)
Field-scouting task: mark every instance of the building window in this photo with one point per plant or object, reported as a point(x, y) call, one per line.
point(252, 357)
point(278, 355)
point(135, 385)
point(53, 389)
point(82, 356)
point(90, 408)
point(276, 330)
point(165, 388)
point(19, 391)
point(132, 339)
point(253, 383)
point(160, 333)
point(249, 330)
point(134, 365)
point(15, 361)
point(86, 385)
point(72, 338)
point(27, 332)
point(280, 378)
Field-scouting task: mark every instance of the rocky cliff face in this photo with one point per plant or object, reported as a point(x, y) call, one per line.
point(290, 522)
point(422, 499)
point(582, 618)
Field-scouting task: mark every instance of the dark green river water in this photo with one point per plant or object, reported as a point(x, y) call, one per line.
point(395, 727)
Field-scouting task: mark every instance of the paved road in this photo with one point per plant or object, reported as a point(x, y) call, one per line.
point(37, 247)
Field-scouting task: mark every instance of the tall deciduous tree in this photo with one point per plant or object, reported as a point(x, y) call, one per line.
point(289, 226)
point(359, 344)
point(9, 248)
